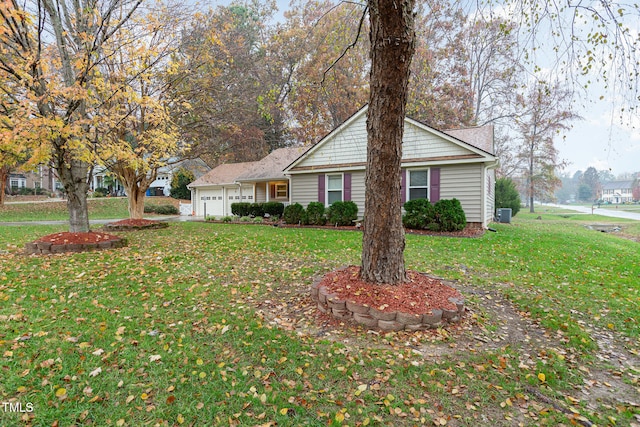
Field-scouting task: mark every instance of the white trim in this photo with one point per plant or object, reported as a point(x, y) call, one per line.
point(408, 182)
point(326, 187)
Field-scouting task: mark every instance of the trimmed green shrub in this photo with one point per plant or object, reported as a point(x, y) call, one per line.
point(100, 192)
point(226, 219)
point(161, 209)
point(293, 214)
point(507, 195)
point(256, 209)
point(419, 213)
point(342, 213)
point(450, 215)
point(167, 210)
point(245, 219)
point(273, 208)
point(258, 220)
point(241, 209)
point(315, 214)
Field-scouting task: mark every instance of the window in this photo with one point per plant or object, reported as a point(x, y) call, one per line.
point(418, 184)
point(334, 189)
point(281, 191)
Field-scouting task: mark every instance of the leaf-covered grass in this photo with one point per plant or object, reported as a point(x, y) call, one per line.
point(99, 208)
point(183, 327)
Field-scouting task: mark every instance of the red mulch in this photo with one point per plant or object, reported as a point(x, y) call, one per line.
point(418, 296)
point(77, 238)
point(134, 222)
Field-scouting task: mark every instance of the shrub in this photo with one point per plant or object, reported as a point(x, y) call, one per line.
point(241, 209)
point(100, 192)
point(450, 215)
point(293, 214)
point(210, 218)
point(507, 195)
point(167, 210)
point(256, 209)
point(342, 213)
point(315, 214)
point(149, 208)
point(258, 220)
point(227, 219)
point(179, 181)
point(273, 208)
point(419, 213)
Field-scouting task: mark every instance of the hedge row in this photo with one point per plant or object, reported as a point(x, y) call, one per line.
point(445, 215)
point(242, 209)
point(339, 213)
point(161, 209)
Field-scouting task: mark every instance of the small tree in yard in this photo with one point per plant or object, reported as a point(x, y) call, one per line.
point(181, 178)
point(507, 195)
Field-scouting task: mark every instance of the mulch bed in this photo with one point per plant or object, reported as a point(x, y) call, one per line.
point(135, 224)
point(473, 231)
point(73, 242)
point(419, 295)
point(66, 237)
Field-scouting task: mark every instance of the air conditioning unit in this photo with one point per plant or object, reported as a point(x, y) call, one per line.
point(504, 215)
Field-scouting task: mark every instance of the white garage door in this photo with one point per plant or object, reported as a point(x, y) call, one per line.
point(210, 203)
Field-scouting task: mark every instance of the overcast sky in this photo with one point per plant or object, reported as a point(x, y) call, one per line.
point(601, 139)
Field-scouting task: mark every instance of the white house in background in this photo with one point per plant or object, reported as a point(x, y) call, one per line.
point(435, 164)
point(618, 192)
point(161, 186)
point(261, 181)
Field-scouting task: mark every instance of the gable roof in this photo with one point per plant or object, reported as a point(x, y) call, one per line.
point(617, 185)
point(224, 174)
point(272, 166)
point(472, 144)
point(479, 136)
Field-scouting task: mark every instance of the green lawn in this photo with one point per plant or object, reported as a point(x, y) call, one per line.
point(210, 324)
point(99, 208)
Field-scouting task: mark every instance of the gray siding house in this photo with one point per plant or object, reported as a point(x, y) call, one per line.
point(435, 164)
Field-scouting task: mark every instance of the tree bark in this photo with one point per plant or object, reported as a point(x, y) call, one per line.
point(392, 46)
point(135, 198)
point(4, 174)
point(74, 176)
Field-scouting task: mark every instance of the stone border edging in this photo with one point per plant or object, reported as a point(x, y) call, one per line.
point(372, 318)
point(47, 248)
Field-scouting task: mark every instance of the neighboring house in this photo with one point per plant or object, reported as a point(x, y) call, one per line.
point(261, 181)
point(42, 178)
point(161, 186)
point(437, 165)
point(618, 192)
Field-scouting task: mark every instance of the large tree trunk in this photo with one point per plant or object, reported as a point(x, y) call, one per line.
point(392, 46)
point(4, 174)
point(135, 197)
point(74, 176)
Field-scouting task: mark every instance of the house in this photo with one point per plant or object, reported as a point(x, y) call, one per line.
point(617, 192)
point(453, 164)
point(261, 181)
point(161, 186)
point(42, 180)
point(437, 165)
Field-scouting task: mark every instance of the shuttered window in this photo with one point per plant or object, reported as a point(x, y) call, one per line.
point(418, 184)
point(334, 188)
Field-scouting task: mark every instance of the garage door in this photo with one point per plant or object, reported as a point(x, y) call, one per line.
point(210, 203)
